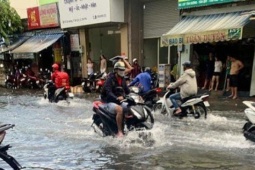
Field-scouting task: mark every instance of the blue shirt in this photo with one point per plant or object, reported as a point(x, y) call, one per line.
point(143, 80)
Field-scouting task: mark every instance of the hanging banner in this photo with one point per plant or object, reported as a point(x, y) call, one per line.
point(182, 4)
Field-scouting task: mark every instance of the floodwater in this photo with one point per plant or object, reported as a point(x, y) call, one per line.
point(59, 136)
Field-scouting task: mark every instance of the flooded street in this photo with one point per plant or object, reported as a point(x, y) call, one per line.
point(59, 136)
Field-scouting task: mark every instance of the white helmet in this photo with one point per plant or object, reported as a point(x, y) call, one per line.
point(119, 65)
point(135, 59)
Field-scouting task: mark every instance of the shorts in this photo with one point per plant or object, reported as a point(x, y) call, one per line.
point(209, 76)
point(111, 107)
point(233, 80)
point(216, 73)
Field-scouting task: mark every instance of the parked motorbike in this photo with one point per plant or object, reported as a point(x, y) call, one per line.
point(10, 81)
point(149, 98)
point(154, 80)
point(91, 83)
point(11, 161)
point(104, 122)
point(249, 126)
point(59, 94)
point(195, 106)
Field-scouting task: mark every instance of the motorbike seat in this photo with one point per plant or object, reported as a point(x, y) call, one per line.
point(188, 98)
point(149, 93)
point(103, 108)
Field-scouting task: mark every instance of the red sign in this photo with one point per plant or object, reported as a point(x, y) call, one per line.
point(33, 18)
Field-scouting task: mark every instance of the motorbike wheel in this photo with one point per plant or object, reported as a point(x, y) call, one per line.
point(159, 109)
point(247, 125)
point(9, 85)
point(200, 110)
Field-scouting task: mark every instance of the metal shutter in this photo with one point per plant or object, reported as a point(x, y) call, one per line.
point(159, 17)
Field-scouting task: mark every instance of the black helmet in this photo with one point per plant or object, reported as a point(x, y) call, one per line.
point(187, 64)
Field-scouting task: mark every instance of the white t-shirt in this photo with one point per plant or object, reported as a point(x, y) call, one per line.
point(217, 66)
point(90, 68)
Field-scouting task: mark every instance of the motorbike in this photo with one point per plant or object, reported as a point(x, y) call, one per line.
point(10, 81)
point(139, 118)
point(11, 161)
point(62, 93)
point(154, 80)
point(195, 106)
point(149, 98)
point(93, 83)
point(249, 126)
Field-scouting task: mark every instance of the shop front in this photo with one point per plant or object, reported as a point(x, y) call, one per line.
point(223, 34)
point(100, 28)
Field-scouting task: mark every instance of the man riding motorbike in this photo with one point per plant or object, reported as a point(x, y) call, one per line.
point(188, 86)
point(114, 91)
point(60, 79)
point(143, 81)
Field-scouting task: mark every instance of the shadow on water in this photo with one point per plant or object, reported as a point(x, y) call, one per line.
point(59, 136)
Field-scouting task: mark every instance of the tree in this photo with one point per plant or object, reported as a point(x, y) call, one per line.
point(10, 22)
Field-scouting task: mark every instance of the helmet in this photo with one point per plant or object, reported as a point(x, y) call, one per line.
point(187, 64)
point(147, 69)
point(135, 59)
point(119, 65)
point(55, 66)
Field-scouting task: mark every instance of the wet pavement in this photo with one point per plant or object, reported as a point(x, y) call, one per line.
point(59, 136)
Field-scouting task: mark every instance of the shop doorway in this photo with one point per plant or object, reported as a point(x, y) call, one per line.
point(243, 52)
point(104, 40)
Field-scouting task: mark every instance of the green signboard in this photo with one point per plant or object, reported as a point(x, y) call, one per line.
point(182, 4)
point(43, 2)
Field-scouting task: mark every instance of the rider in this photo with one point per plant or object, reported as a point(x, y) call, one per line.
point(112, 95)
point(143, 80)
point(188, 86)
point(60, 79)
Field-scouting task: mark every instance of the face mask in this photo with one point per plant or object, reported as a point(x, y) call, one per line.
point(121, 73)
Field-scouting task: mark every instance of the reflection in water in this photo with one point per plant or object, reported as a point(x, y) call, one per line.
point(59, 136)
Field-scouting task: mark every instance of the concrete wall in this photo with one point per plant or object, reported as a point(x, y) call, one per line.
point(22, 5)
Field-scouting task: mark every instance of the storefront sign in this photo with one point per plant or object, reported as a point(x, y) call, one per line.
point(23, 56)
point(203, 37)
point(49, 15)
point(43, 2)
point(182, 4)
point(74, 39)
point(45, 16)
point(86, 12)
point(33, 18)
point(206, 37)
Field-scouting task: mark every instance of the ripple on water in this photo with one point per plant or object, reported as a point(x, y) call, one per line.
point(59, 136)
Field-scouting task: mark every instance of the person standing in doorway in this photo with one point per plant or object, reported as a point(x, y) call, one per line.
point(216, 74)
point(136, 68)
point(103, 65)
point(236, 66)
point(209, 71)
point(90, 66)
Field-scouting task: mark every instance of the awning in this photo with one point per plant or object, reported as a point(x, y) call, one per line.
point(207, 28)
point(37, 43)
point(15, 44)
